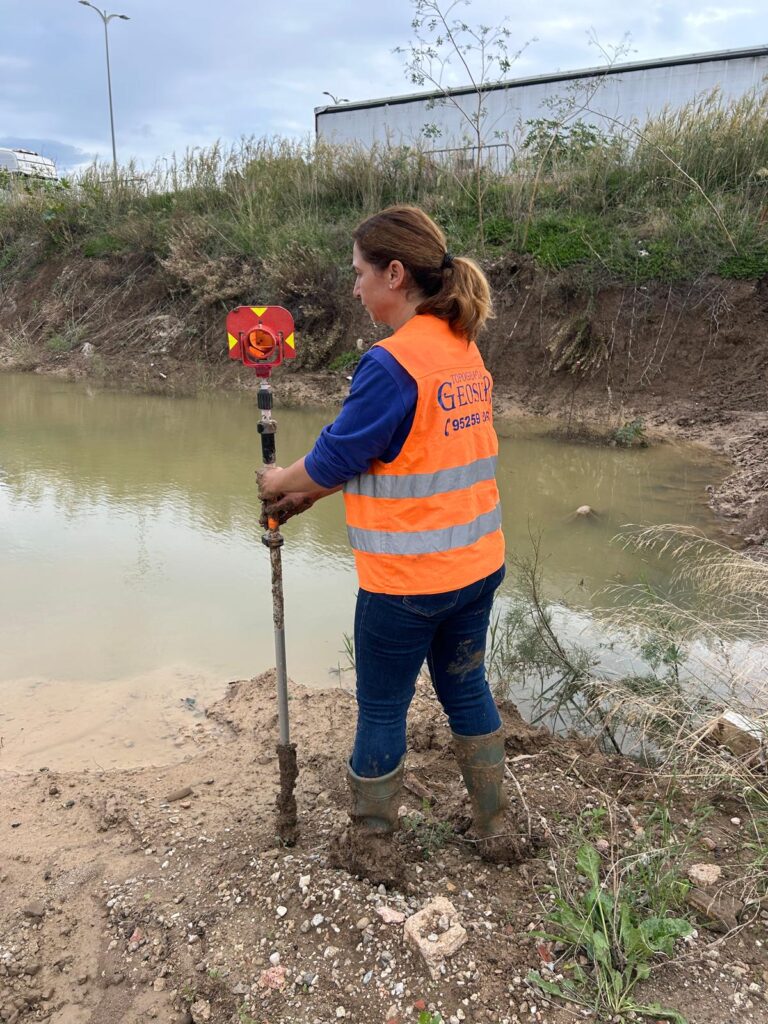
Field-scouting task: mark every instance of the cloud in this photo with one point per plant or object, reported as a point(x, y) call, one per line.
point(188, 72)
point(716, 15)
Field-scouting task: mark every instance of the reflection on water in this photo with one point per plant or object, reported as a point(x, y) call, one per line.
point(130, 542)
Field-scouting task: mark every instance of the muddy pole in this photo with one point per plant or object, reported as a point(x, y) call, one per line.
point(286, 751)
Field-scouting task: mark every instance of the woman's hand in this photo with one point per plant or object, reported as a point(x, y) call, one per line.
point(268, 481)
point(286, 507)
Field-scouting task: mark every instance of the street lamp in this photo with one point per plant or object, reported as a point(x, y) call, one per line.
point(106, 18)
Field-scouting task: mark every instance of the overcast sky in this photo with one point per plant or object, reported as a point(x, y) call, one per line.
point(188, 72)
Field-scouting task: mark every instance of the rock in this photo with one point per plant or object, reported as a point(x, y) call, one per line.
point(274, 959)
point(178, 794)
point(282, 911)
point(340, 1012)
point(584, 510)
point(389, 915)
point(363, 923)
point(417, 931)
point(740, 735)
point(35, 909)
point(721, 912)
point(704, 874)
point(273, 978)
point(87, 350)
point(602, 846)
point(317, 920)
point(201, 1011)
point(159, 984)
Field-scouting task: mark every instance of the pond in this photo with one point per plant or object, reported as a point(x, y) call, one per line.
point(135, 583)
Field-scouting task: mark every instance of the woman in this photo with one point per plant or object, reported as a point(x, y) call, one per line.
point(415, 451)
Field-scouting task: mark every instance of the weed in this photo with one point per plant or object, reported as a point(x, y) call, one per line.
point(244, 1016)
point(66, 340)
point(425, 1017)
point(630, 434)
point(348, 650)
point(188, 993)
point(620, 936)
point(430, 834)
point(345, 361)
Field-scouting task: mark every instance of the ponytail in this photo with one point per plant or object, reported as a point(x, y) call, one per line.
point(454, 287)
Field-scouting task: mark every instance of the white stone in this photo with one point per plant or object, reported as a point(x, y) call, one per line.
point(274, 959)
point(390, 916)
point(282, 911)
point(704, 874)
point(317, 920)
point(200, 1011)
point(420, 927)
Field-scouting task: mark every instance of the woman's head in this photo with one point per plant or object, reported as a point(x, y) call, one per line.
point(405, 251)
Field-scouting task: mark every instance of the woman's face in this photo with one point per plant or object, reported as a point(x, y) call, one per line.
point(375, 288)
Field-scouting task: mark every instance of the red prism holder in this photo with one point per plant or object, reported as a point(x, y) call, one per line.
point(260, 337)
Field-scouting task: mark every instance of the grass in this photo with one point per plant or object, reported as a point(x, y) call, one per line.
point(682, 197)
point(430, 833)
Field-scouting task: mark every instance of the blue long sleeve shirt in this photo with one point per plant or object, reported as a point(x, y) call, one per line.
point(373, 423)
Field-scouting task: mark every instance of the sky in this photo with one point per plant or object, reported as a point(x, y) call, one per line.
point(186, 73)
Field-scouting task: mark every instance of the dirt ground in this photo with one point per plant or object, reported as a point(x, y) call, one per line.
point(161, 893)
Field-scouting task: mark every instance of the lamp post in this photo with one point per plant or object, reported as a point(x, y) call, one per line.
point(106, 18)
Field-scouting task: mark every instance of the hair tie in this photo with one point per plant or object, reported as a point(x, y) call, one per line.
point(447, 260)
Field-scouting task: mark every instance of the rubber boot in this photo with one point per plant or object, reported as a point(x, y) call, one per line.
point(483, 766)
point(366, 847)
point(375, 801)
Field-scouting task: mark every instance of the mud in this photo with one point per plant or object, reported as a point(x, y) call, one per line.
point(365, 855)
point(287, 824)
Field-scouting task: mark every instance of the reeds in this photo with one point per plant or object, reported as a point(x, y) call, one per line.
point(683, 195)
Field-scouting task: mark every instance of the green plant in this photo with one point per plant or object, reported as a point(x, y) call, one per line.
point(620, 938)
point(629, 434)
point(425, 1017)
point(188, 993)
point(345, 361)
point(430, 834)
point(102, 245)
point(244, 1016)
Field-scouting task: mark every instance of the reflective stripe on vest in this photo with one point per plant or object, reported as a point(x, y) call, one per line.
point(422, 485)
point(424, 542)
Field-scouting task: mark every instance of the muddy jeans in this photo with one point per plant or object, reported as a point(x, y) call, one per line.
point(393, 637)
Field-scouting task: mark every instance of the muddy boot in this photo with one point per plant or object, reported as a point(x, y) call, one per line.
point(483, 765)
point(366, 847)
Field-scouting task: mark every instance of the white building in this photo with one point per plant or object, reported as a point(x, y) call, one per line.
point(606, 97)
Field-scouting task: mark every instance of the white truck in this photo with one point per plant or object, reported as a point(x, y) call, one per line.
point(24, 163)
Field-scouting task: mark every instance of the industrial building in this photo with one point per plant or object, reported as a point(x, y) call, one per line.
point(606, 97)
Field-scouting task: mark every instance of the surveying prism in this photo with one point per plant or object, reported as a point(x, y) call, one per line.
point(261, 338)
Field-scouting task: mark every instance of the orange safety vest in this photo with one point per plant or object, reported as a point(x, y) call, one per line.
point(430, 520)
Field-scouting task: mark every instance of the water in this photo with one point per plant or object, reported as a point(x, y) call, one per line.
point(133, 575)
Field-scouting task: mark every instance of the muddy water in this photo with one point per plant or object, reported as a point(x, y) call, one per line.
point(134, 582)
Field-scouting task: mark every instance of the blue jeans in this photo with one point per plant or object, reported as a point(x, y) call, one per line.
point(393, 637)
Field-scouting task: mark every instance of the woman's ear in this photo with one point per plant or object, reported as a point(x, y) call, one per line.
point(396, 274)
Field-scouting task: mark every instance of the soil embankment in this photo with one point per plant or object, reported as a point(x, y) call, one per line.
point(689, 360)
point(160, 893)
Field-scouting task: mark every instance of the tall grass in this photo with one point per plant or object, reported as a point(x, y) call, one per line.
point(684, 195)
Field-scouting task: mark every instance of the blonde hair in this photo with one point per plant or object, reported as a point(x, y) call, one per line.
point(454, 287)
